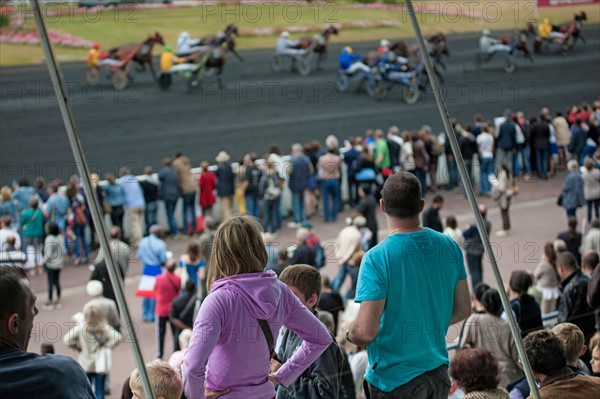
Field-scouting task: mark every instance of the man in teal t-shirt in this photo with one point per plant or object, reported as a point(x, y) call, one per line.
point(411, 288)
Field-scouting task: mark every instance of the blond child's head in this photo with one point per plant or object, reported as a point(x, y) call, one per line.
point(573, 340)
point(164, 380)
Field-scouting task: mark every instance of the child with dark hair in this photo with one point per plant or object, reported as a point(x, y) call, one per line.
point(526, 309)
point(323, 378)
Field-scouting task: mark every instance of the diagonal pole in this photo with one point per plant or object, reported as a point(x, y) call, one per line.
point(82, 166)
point(471, 197)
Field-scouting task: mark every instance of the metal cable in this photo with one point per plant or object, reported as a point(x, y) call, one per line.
point(97, 215)
point(471, 197)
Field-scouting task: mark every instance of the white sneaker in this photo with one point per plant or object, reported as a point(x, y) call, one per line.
point(293, 225)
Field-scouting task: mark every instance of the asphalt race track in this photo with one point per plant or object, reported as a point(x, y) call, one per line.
point(142, 124)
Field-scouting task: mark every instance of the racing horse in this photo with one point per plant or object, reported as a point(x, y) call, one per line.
point(520, 41)
point(318, 43)
point(571, 31)
point(227, 36)
point(438, 48)
point(413, 55)
point(143, 52)
point(214, 62)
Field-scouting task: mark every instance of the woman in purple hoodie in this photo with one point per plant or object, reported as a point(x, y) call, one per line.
point(229, 356)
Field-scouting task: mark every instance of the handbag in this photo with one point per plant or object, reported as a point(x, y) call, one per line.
point(103, 360)
point(559, 200)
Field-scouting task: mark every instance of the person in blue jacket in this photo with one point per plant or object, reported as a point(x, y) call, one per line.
point(350, 63)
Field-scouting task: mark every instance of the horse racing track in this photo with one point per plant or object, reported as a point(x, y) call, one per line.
point(142, 124)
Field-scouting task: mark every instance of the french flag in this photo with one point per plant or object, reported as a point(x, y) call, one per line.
point(148, 281)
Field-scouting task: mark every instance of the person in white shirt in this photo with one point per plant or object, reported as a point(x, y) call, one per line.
point(489, 45)
point(286, 46)
point(453, 231)
point(485, 142)
point(6, 231)
point(187, 45)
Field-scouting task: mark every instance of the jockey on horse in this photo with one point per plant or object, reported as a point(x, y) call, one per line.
point(489, 45)
point(286, 46)
point(97, 58)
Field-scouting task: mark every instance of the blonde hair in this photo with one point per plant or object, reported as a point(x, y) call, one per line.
point(164, 380)
point(595, 341)
point(572, 338)
point(6, 193)
point(94, 321)
point(237, 248)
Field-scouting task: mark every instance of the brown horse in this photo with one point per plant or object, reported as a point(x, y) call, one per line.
point(226, 36)
point(438, 48)
point(518, 41)
point(214, 62)
point(142, 53)
point(318, 43)
point(572, 30)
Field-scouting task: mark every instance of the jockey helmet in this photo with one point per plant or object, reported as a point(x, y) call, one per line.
point(168, 47)
point(486, 32)
point(96, 46)
point(384, 43)
point(348, 50)
point(285, 34)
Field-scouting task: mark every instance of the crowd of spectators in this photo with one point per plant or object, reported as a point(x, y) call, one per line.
point(299, 346)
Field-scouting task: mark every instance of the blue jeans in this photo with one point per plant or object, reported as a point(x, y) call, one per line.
point(469, 167)
point(452, 174)
point(571, 212)
point(80, 240)
point(170, 211)
point(298, 206)
point(97, 381)
point(486, 168)
point(588, 151)
point(150, 214)
point(338, 280)
point(189, 212)
point(330, 189)
point(516, 166)
point(421, 175)
point(252, 207)
point(270, 219)
point(148, 305)
point(541, 159)
point(527, 159)
point(474, 262)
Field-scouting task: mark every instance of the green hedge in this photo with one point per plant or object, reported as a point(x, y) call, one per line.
point(4, 20)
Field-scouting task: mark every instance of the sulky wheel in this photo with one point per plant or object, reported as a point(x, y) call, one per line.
point(119, 79)
point(165, 80)
point(92, 76)
point(276, 63)
point(342, 81)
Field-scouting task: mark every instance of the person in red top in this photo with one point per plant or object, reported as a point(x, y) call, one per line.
point(167, 287)
point(207, 183)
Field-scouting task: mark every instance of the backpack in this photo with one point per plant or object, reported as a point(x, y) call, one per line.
point(436, 147)
point(80, 218)
point(272, 191)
